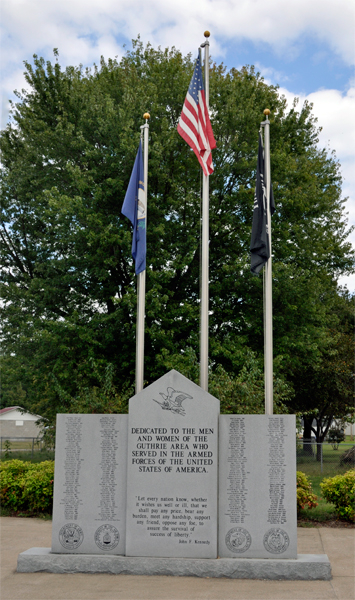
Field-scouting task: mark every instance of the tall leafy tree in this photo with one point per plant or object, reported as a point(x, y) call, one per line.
point(324, 387)
point(68, 283)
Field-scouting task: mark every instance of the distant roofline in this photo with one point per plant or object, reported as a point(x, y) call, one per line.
point(4, 410)
point(8, 408)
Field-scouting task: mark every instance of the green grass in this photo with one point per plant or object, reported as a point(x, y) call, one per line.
point(331, 461)
point(314, 469)
point(20, 444)
point(38, 456)
point(349, 439)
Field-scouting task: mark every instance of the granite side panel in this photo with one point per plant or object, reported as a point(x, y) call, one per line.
point(257, 486)
point(89, 500)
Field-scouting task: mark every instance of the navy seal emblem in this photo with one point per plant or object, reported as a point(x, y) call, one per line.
point(173, 401)
point(107, 537)
point(71, 536)
point(238, 540)
point(276, 541)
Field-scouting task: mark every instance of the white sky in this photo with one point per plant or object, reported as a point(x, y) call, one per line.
point(305, 46)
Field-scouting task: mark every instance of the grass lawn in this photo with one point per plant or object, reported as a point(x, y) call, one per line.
point(21, 444)
point(330, 464)
point(38, 456)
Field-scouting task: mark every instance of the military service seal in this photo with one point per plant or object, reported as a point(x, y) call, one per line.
point(71, 536)
point(107, 537)
point(238, 540)
point(276, 541)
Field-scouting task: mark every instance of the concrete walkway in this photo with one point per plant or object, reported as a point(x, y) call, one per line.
point(18, 535)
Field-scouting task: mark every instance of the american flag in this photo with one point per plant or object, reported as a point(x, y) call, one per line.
point(194, 125)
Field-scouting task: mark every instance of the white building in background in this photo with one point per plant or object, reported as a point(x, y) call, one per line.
point(350, 429)
point(15, 423)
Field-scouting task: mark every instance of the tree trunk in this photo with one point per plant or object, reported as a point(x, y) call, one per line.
point(307, 435)
point(323, 424)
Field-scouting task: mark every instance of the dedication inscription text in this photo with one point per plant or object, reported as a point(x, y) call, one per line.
point(172, 470)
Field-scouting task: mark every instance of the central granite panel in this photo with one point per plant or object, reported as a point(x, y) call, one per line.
point(172, 462)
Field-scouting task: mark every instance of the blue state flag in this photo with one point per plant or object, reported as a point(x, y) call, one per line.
point(135, 210)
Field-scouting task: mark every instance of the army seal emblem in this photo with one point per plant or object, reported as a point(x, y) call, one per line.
point(276, 541)
point(71, 536)
point(238, 540)
point(107, 537)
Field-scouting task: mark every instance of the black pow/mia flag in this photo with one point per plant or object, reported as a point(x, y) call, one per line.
point(259, 245)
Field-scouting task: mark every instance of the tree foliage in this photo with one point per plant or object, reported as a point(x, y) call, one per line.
point(68, 283)
point(324, 388)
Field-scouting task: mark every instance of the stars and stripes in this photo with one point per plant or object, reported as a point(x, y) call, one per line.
point(194, 124)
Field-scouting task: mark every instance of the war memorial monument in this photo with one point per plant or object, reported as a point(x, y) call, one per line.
point(174, 487)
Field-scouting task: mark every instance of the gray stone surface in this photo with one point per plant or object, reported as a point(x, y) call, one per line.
point(89, 501)
point(257, 486)
point(172, 470)
point(306, 566)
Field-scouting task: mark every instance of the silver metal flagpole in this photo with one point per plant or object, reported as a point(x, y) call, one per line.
point(141, 276)
point(268, 341)
point(205, 249)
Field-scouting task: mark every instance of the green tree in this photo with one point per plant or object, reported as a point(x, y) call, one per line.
point(324, 387)
point(68, 283)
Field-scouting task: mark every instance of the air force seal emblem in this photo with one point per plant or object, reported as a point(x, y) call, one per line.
point(107, 537)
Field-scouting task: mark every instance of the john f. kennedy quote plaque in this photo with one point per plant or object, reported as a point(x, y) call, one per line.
point(172, 462)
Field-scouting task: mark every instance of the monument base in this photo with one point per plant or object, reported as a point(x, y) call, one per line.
point(305, 566)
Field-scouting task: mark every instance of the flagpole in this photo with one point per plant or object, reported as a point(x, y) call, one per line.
point(268, 341)
point(205, 248)
point(141, 277)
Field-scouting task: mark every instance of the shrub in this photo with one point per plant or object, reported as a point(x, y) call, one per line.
point(335, 436)
point(38, 486)
point(305, 495)
point(7, 446)
point(340, 490)
point(27, 486)
point(11, 486)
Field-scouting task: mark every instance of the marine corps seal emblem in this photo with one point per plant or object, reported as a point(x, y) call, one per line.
point(238, 540)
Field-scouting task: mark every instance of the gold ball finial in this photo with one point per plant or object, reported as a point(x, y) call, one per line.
point(146, 116)
point(267, 112)
point(207, 34)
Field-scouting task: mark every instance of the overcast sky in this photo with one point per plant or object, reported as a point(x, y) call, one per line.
point(305, 46)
